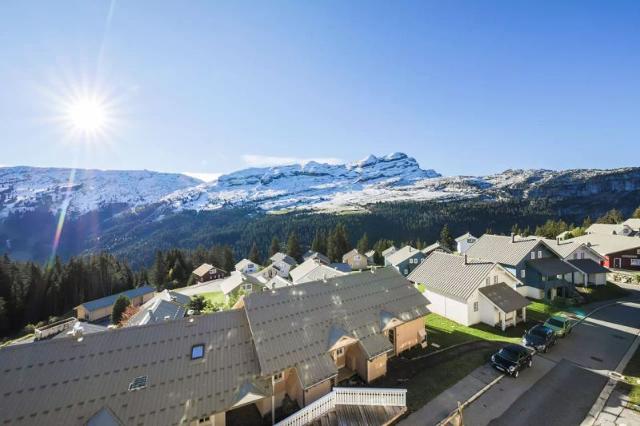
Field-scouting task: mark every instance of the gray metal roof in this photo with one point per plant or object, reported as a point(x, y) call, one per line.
point(292, 326)
point(203, 269)
point(388, 251)
point(312, 270)
point(504, 297)
point(447, 274)
point(549, 266)
point(103, 302)
point(402, 254)
point(66, 381)
point(435, 246)
point(502, 249)
point(464, 237)
point(315, 255)
point(588, 266)
point(565, 247)
point(158, 311)
point(633, 223)
point(607, 228)
point(236, 279)
point(282, 257)
point(608, 244)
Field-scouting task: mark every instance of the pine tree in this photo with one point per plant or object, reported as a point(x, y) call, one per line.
point(319, 243)
point(293, 247)
point(228, 261)
point(636, 213)
point(446, 239)
point(254, 254)
point(363, 244)
point(613, 217)
point(121, 304)
point(275, 246)
point(160, 271)
point(587, 222)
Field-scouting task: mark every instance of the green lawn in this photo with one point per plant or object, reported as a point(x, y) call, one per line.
point(214, 297)
point(445, 332)
point(540, 311)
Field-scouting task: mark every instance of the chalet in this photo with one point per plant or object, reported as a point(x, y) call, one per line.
point(610, 229)
point(100, 309)
point(463, 242)
point(585, 259)
point(166, 305)
point(240, 281)
point(345, 326)
point(405, 259)
point(619, 252)
point(435, 247)
point(312, 270)
point(540, 269)
point(470, 291)
point(283, 263)
point(247, 267)
point(221, 367)
point(355, 260)
point(318, 257)
point(371, 257)
point(206, 272)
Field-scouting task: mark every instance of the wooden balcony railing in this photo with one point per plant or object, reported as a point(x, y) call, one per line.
point(346, 396)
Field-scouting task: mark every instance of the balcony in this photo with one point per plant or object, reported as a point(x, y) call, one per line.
point(352, 406)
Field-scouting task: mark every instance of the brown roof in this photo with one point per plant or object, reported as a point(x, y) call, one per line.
point(292, 326)
point(65, 382)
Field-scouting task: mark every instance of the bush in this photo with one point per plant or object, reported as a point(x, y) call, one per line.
point(121, 305)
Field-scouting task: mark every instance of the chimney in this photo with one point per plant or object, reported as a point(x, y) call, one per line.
point(513, 237)
point(558, 240)
point(465, 259)
point(324, 277)
point(77, 332)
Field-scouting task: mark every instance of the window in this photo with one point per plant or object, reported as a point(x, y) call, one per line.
point(246, 287)
point(634, 262)
point(197, 351)
point(406, 272)
point(488, 280)
point(522, 273)
point(533, 255)
point(138, 383)
point(581, 255)
point(495, 279)
point(392, 335)
point(339, 351)
point(278, 377)
point(475, 306)
point(575, 255)
point(539, 254)
point(471, 240)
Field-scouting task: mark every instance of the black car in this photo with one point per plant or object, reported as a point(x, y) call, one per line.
point(539, 337)
point(511, 359)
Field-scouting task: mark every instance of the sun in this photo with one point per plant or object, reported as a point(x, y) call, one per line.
point(87, 115)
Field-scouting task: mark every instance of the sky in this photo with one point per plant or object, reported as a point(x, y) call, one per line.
point(207, 87)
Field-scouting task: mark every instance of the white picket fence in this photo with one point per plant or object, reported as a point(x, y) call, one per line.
point(346, 396)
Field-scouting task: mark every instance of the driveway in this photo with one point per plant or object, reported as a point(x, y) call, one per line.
point(564, 383)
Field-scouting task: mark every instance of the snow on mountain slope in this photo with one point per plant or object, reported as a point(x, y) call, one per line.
point(322, 187)
point(27, 188)
point(311, 185)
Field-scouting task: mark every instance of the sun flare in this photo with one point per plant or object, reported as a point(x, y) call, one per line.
point(87, 115)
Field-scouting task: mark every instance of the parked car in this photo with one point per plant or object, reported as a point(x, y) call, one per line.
point(560, 325)
point(511, 359)
point(540, 338)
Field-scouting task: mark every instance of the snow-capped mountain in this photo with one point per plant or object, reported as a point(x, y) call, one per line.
point(28, 188)
point(314, 186)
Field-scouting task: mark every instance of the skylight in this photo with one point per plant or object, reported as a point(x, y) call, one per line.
point(138, 383)
point(197, 351)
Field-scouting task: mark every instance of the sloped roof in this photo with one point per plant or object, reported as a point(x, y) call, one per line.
point(551, 266)
point(349, 254)
point(278, 282)
point(159, 310)
point(321, 272)
point(370, 253)
point(447, 274)
point(66, 382)
point(203, 269)
point(633, 223)
point(607, 244)
point(435, 246)
point(110, 300)
point(402, 254)
point(315, 255)
point(236, 279)
point(386, 252)
point(504, 297)
point(291, 326)
point(501, 249)
point(606, 228)
point(464, 237)
point(243, 264)
point(588, 266)
point(565, 247)
point(282, 257)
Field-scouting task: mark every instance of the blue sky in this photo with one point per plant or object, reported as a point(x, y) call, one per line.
point(210, 86)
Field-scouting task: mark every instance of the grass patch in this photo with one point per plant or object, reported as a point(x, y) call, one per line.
point(603, 292)
point(215, 299)
point(445, 332)
point(421, 288)
point(632, 385)
point(539, 311)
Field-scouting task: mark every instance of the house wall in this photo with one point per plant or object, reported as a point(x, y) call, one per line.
point(464, 245)
point(447, 307)
point(531, 276)
point(406, 335)
point(410, 264)
point(377, 367)
point(629, 259)
point(487, 313)
point(317, 391)
point(357, 261)
point(598, 279)
point(217, 419)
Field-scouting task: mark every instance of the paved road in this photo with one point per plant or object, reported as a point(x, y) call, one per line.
point(563, 384)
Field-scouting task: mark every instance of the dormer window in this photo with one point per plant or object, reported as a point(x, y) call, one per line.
point(278, 377)
point(197, 351)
